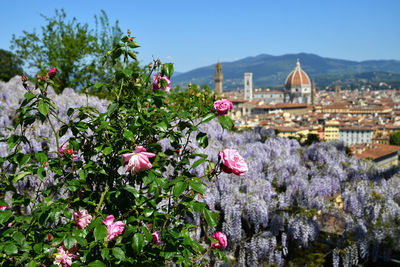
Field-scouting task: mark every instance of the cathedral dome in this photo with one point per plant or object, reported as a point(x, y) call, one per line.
point(297, 78)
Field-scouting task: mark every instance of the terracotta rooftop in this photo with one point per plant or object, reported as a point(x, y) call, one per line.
point(377, 151)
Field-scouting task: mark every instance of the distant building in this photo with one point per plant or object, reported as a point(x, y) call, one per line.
point(298, 86)
point(331, 130)
point(383, 155)
point(218, 78)
point(352, 135)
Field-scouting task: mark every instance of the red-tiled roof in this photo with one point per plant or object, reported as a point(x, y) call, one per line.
point(378, 150)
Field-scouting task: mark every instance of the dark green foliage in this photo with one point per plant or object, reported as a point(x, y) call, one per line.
point(10, 65)
point(72, 47)
point(311, 138)
point(394, 138)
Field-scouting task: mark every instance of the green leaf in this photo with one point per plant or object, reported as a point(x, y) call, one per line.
point(179, 188)
point(100, 232)
point(208, 117)
point(210, 217)
point(63, 130)
point(19, 237)
point(128, 135)
point(98, 85)
point(29, 96)
point(197, 163)
point(41, 157)
point(21, 158)
point(20, 176)
point(118, 253)
point(5, 216)
point(132, 55)
point(199, 206)
point(10, 249)
point(97, 263)
point(202, 139)
point(162, 126)
point(132, 190)
point(43, 107)
point(41, 172)
point(82, 241)
point(70, 111)
point(104, 253)
point(107, 150)
point(226, 122)
point(147, 212)
point(199, 187)
point(38, 248)
point(13, 140)
point(138, 242)
point(133, 44)
point(69, 241)
point(168, 69)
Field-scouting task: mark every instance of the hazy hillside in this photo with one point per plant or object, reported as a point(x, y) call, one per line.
point(272, 70)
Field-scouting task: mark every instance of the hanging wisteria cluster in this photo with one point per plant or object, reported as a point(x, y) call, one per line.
point(294, 197)
point(291, 199)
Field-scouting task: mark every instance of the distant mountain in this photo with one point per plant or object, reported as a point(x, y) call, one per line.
point(271, 71)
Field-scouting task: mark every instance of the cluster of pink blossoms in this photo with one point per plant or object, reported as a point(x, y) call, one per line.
point(3, 207)
point(82, 219)
point(138, 160)
point(223, 106)
point(157, 80)
point(63, 257)
point(114, 229)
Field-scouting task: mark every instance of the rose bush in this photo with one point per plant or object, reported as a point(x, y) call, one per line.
point(86, 199)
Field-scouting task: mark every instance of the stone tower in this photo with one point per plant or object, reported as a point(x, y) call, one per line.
point(218, 78)
point(337, 93)
point(248, 86)
point(313, 93)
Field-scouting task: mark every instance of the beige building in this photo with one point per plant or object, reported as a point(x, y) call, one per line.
point(287, 132)
point(331, 130)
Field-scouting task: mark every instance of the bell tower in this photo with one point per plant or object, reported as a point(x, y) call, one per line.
point(248, 85)
point(218, 78)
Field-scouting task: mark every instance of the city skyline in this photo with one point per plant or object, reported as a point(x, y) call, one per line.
point(193, 35)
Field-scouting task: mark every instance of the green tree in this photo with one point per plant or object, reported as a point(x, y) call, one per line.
point(70, 46)
point(10, 65)
point(394, 138)
point(311, 138)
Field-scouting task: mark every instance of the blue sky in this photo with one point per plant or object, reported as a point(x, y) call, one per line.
point(193, 34)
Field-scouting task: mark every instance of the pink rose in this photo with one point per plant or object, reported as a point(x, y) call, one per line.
point(114, 228)
point(232, 162)
point(138, 160)
point(52, 72)
point(156, 238)
point(63, 257)
point(82, 219)
point(221, 239)
point(157, 78)
point(3, 207)
point(223, 106)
